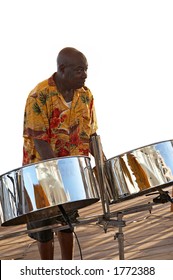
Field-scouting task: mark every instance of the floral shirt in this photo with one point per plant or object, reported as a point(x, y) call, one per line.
point(48, 117)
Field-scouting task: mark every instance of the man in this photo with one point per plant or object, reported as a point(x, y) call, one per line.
point(59, 121)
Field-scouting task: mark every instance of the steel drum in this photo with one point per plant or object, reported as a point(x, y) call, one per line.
point(34, 191)
point(140, 171)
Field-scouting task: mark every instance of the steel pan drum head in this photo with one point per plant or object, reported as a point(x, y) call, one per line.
point(35, 191)
point(140, 171)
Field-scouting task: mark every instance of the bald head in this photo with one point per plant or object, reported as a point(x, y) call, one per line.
point(68, 56)
point(72, 68)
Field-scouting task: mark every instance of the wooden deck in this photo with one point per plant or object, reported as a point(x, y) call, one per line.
point(147, 236)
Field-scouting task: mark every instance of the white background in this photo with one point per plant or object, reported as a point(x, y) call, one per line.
point(129, 47)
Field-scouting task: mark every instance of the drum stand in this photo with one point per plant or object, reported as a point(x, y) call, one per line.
point(120, 223)
point(163, 197)
point(106, 220)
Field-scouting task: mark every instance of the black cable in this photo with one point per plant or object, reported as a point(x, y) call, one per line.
point(68, 222)
point(80, 251)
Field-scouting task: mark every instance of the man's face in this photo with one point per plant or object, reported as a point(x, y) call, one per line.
point(75, 73)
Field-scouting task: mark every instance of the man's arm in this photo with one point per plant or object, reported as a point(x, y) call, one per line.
point(44, 149)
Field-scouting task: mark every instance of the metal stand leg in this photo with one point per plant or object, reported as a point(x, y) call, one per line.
point(120, 236)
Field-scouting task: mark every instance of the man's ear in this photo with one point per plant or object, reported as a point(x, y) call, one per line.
point(61, 68)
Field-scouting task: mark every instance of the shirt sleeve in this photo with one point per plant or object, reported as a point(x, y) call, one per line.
point(35, 119)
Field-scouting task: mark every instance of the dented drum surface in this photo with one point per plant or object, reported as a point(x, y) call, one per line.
point(34, 191)
point(140, 171)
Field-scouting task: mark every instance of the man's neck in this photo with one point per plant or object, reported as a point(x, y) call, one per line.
point(66, 93)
